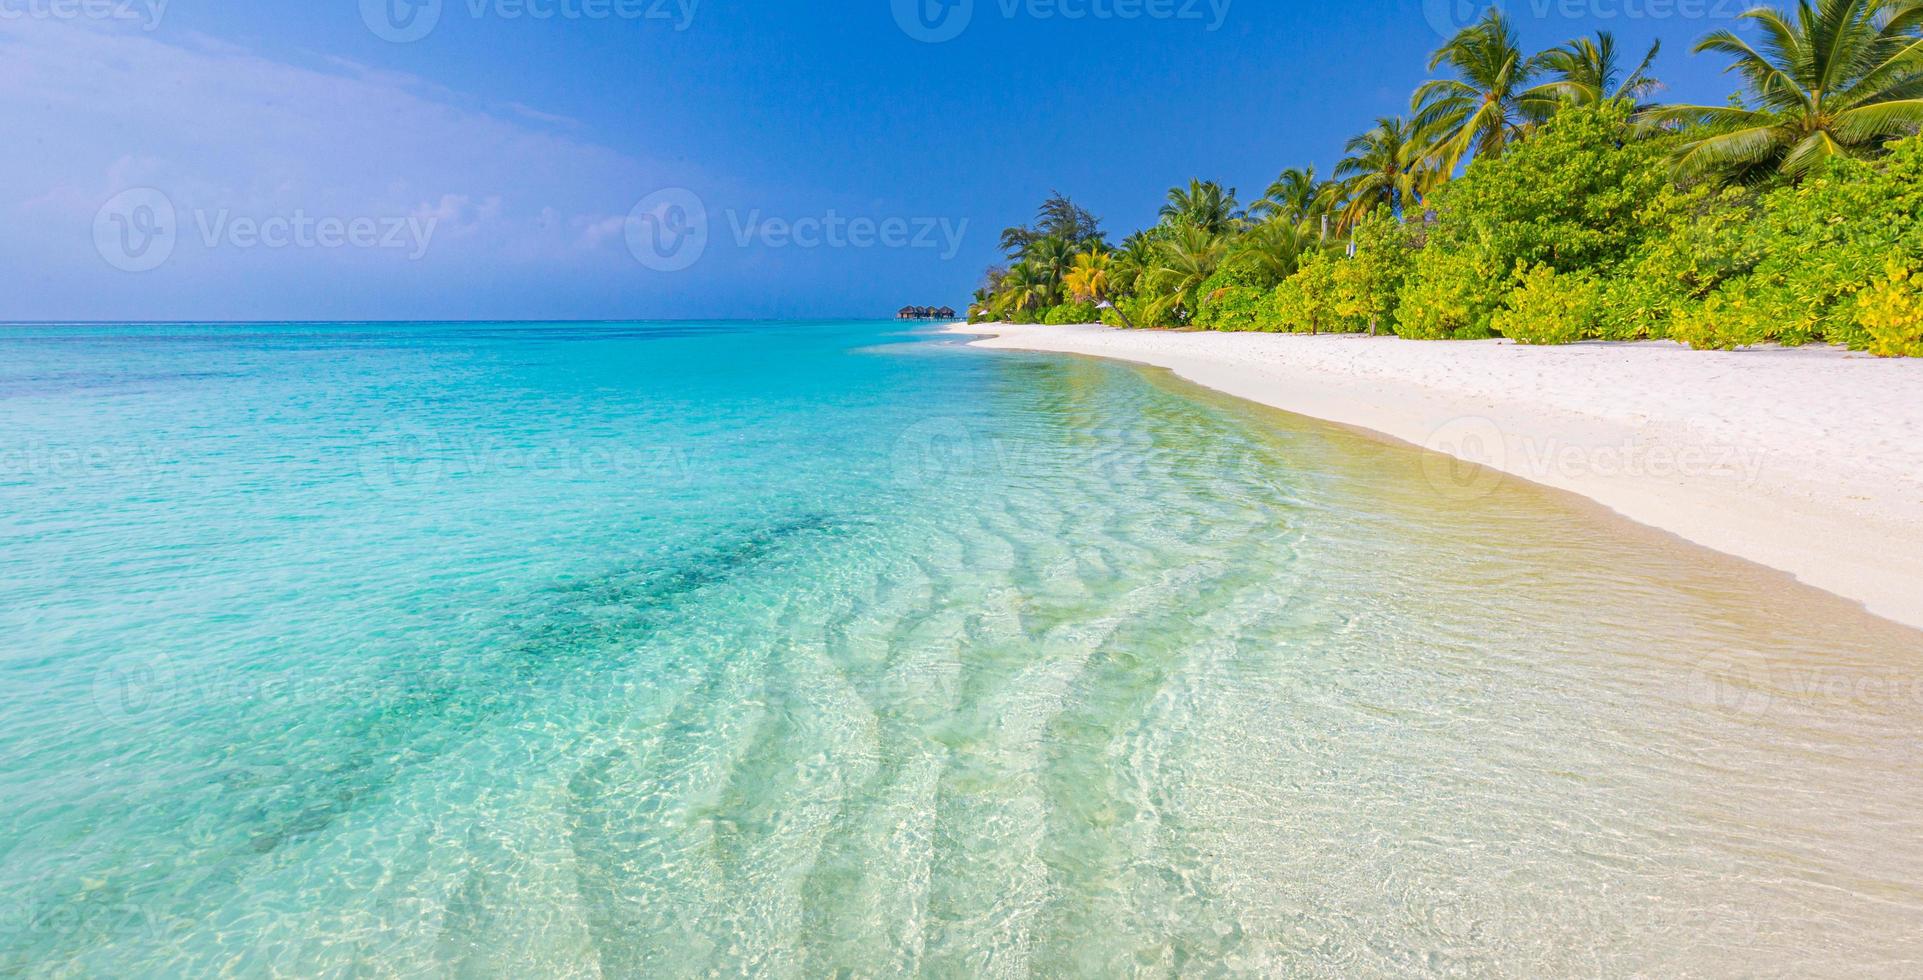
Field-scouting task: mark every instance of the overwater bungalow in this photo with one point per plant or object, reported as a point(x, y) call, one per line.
point(926, 313)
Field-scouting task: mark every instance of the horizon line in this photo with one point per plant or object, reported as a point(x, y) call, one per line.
point(500, 320)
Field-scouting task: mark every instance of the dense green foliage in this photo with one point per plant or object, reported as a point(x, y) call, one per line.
point(1574, 198)
point(1582, 211)
point(1068, 313)
point(1550, 307)
point(1891, 314)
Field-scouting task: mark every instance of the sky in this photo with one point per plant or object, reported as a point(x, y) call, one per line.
point(259, 160)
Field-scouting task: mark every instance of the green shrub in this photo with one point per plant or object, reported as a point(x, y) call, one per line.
point(1366, 285)
point(1140, 311)
point(1816, 248)
point(1720, 323)
point(1238, 270)
point(1334, 293)
point(1071, 313)
point(1551, 308)
point(1573, 197)
point(1238, 308)
point(1890, 314)
point(1306, 301)
point(1698, 241)
point(1234, 298)
point(1568, 197)
point(1450, 295)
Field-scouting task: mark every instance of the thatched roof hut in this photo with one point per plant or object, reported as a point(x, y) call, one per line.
point(926, 313)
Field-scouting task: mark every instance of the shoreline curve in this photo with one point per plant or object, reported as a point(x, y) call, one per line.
point(1807, 461)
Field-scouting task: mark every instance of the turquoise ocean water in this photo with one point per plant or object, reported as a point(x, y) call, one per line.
point(650, 650)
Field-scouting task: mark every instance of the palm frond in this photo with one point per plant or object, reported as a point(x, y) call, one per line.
point(1810, 152)
point(1880, 120)
point(1731, 148)
point(1827, 78)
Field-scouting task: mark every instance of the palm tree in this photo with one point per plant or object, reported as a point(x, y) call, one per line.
point(1048, 260)
point(1185, 260)
point(988, 292)
point(1481, 109)
point(1204, 204)
point(1274, 248)
point(1132, 262)
point(1387, 166)
point(1586, 71)
point(1839, 80)
point(1087, 281)
point(1021, 289)
point(1292, 198)
point(983, 304)
point(1138, 248)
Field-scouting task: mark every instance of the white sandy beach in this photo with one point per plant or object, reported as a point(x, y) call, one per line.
point(1808, 461)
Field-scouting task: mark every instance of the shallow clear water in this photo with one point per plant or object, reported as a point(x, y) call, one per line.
point(670, 649)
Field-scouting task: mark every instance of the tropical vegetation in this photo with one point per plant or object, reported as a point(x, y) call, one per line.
point(1552, 198)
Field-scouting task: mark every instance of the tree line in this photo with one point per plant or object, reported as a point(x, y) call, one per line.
point(1551, 197)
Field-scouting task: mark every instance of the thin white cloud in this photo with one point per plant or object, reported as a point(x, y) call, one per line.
point(217, 126)
point(459, 214)
point(537, 115)
point(595, 231)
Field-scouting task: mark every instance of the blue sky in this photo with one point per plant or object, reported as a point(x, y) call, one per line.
point(317, 163)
